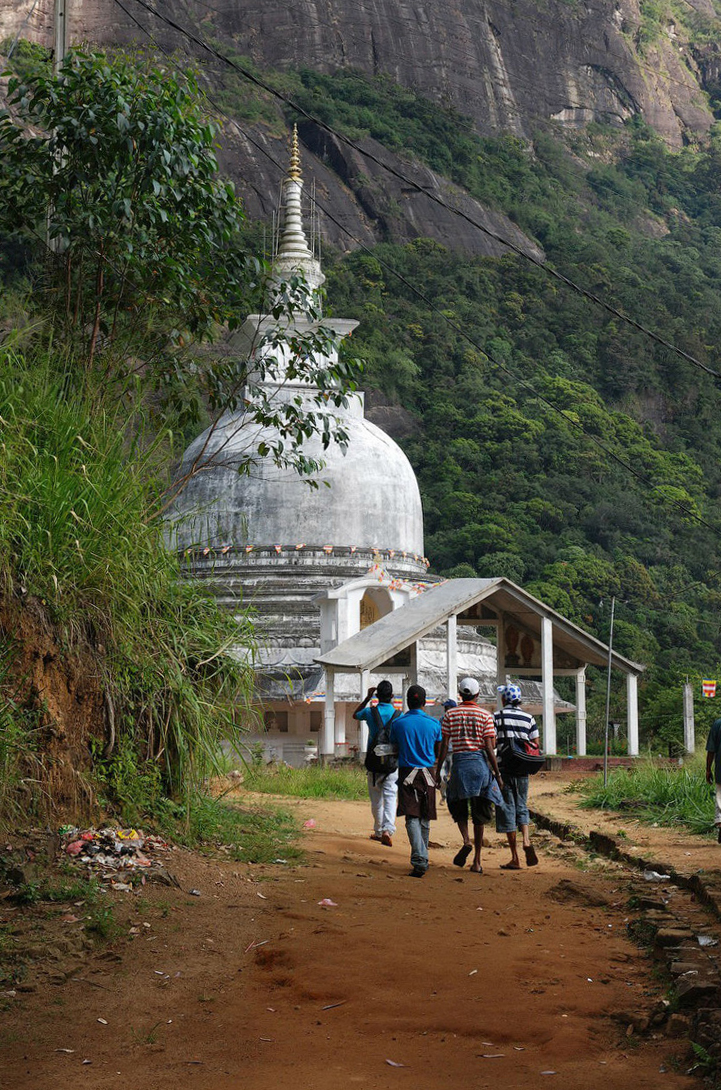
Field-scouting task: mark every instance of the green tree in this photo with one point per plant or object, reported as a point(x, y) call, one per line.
point(117, 159)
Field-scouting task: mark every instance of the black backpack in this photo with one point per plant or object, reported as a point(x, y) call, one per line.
point(381, 758)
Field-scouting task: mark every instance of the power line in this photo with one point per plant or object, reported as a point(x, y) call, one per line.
point(682, 508)
point(547, 269)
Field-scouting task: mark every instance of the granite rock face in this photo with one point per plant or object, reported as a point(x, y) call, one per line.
point(507, 64)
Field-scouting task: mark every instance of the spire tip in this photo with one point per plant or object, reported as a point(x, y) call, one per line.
point(294, 169)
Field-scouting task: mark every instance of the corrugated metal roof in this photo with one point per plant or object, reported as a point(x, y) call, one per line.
point(374, 645)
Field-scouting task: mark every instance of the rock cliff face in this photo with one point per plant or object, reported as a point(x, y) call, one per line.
point(507, 64)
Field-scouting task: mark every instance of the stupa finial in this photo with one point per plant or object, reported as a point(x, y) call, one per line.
point(294, 169)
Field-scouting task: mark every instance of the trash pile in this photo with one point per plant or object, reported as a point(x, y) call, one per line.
point(121, 857)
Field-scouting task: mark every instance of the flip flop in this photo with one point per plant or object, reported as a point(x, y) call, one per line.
point(510, 866)
point(374, 836)
point(459, 859)
point(474, 871)
point(531, 857)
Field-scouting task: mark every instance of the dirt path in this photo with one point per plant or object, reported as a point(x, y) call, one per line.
point(467, 981)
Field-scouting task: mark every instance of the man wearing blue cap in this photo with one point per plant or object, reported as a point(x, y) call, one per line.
point(512, 723)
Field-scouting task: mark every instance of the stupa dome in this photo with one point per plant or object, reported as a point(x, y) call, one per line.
point(367, 496)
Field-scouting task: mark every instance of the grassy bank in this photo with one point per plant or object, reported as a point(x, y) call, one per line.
point(249, 834)
point(341, 782)
point(658, 795)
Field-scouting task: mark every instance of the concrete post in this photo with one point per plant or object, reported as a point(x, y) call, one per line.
point(500, 654)
point(363, 726)
point(581, 712)
point(451, 658)
point(549, 711)
point(632, 714)
point(689, 728)
point(327, 742)
point(414, 666)
point(340, 722)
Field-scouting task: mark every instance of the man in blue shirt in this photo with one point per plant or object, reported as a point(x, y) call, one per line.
point(382, 790)
point(713, 768)
point(418, 738)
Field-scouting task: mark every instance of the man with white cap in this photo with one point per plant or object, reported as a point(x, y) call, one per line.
point(514, 724)
point(475, 781)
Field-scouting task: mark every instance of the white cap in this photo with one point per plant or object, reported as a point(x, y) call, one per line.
point(469, 687)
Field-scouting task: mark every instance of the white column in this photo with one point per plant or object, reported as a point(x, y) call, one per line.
point(414, 667)
point(689, 728)
point(451, 658)
point(501, 654)
point(581, 712)
point(340, 721)
point(362, 725)
point(632, 714)
point(549, 711)
point(327, 741)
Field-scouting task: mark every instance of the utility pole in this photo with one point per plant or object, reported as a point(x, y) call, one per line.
point(689, 733)
point(608, 695)
point(59, 35)
point(59, 48)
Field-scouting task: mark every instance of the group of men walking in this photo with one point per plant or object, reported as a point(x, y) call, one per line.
point(481, 771)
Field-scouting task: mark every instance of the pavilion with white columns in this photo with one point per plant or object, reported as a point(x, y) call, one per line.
point(532, 641)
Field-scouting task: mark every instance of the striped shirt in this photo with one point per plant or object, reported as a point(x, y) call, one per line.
point(467, 727)
point(513, 722)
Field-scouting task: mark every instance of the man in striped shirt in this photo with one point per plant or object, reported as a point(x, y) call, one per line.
point(514, 723)
point(475, 780)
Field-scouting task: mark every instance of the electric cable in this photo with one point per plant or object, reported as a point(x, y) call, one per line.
point(409, 182)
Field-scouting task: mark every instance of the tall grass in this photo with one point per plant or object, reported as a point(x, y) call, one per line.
point(312, 782)
point(81, 488)
point(652, 793)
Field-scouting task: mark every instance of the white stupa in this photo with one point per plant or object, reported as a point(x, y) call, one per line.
point(268, 541)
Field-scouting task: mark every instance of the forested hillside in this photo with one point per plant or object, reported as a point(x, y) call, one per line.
point(529, 397)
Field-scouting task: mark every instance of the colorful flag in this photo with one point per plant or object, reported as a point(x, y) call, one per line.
point(708, 688)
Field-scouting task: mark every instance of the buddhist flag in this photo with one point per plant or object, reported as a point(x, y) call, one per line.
point(708, 688)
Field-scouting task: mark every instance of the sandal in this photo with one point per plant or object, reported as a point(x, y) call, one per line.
point(531, 857)
point(459, 859)
point(510, 866)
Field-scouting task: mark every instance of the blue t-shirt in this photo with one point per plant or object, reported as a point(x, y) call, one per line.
point(386, 711)
point(416, 734)
point(713, 745)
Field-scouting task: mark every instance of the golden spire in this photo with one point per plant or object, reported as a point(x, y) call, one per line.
point(294, 169)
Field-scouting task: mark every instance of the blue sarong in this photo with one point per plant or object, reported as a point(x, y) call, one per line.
point(472, 778)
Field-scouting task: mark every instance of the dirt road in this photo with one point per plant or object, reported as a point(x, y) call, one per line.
point(456, 980)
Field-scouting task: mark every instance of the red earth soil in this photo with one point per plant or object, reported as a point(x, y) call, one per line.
point(456, 980)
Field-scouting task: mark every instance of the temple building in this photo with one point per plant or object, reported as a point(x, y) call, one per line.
point(320, 566)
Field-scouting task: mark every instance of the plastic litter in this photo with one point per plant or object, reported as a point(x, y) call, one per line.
point(654, 876)
point(194, 892)
point(327, 903)
point(706, 940)
point(392, 1063)
point(111, 851)
point(309, 824)
point(473, 972)
point(103, 1021)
